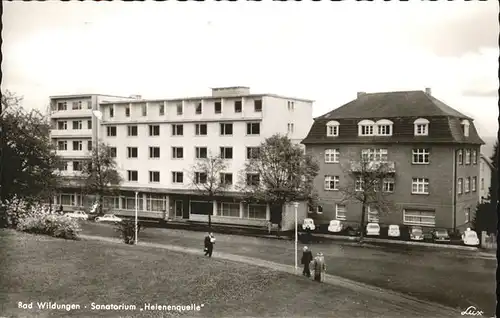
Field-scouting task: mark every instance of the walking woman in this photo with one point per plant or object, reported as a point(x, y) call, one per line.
point(319, 267)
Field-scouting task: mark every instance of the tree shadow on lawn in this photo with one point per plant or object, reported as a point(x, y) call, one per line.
point(41, 269)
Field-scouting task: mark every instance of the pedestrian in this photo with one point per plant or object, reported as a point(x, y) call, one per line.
point(306, 261)
point(61, 209)
point(319, 267)
point(209, 244)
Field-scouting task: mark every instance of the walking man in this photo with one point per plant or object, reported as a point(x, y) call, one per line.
point(319, 267)
point(306, 261)
point(209, 244)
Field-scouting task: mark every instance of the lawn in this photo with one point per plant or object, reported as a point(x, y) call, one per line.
point(42, 269)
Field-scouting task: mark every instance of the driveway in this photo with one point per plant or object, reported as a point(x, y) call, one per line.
point(451, 278)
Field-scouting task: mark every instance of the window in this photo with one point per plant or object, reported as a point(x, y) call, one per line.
point(253, 179)
point(228, 209)
point(144, 109)
point(161, 109)
point(460, 157)
point(177, 130)
point(132, 131)
point(62, 106)
point(290, 128)
point(200, 177)
point(332, 128)
point(200, 129)
point(467, 185)
point(384, 127)
point(179, 108)
point(154, 152)
point(467, 156)
point(332, 155)
point(89, 145)
point(474, 157)
point(253, 152)
point(177, 177)
point(77, 145)
point(374, 154)
point(132, 152)
point(127, 111)
point(156, 202)
point(154, 130)
point(112, 152)
point(199, 108)
point(253, 128)
point(332, 183)
point(421, 127)
point(365, 128)
point(237, 106)
point(62, 145)
point(257, 105)
point(77, 166)
point(128, 203)
point(482, 183)
point(177, 152)
point(467, 214)
point(388, 185)
point(460, 186)
point(89, 104)
point(218, 107)
point(201, 152)
point(419, 217)
point(111, 131)
point(132, 175)
point(420, 156)
point(77, 124)
point(473, 184)
point(255, 211)
point(64, 166)
point(291, 105)
point(77, 105)
point(340, 212)
point(226, 152)
point(112, 111)
point(465, 127)
point(226, 129)
point(226, 179)
point(420, 186)
point(359, 184)
point(372, 215)
point(154, 176)
point(62, 125)
point(89, 124)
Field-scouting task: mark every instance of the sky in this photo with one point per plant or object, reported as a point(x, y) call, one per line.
point(325, 51)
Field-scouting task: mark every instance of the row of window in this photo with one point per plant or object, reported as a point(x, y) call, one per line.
point(178, 152)
point(178, 177)
point(238, 108)
point(62, 145)
point(419, 185)
point(77, 105)
point(466, 185)
point(226, 129)
point(76, 124)
point(470, 157)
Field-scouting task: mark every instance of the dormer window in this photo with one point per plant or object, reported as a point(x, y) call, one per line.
point(332, 128)
point(465, 127)
point(366, 128)
point(421, 126)
point(384, 127)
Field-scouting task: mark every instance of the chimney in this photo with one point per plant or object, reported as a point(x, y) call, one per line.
point(136, 96)
point(428, 91)
point(361, 94)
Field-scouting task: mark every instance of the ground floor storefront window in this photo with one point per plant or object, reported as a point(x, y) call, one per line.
point(419, 217)
point(128, 203)
point(229, 209)
point(156, 202)
point(255, 211)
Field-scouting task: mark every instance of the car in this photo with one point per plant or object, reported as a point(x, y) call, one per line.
point(393, 231)
point(440, 236)
point(373, 229)
point(81, 215)
point(335, 226)
point(470, 238)
point(108, 218)
point(308, 224)
point(416, 234)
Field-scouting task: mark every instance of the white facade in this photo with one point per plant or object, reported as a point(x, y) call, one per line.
point(485, 170)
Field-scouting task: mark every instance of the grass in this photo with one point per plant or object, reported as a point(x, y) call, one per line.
point(38, 268)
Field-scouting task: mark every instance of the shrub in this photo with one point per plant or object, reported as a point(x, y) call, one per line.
point(49, 224)
point(126, 228)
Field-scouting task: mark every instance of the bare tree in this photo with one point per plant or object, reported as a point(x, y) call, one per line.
point(208, 178)
point(370, 183)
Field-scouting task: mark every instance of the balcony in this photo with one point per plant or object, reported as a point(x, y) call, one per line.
point(373, 166)
point(71, 133)
point(77, 113)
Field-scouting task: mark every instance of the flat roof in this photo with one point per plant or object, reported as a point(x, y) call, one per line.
point(86, 95)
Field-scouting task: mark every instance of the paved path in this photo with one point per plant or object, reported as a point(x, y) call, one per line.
point(417, 307)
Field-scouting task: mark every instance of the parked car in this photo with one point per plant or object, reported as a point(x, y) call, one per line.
point(81, 215)
point(335, 226)
point(416, 233)
point(108, 218)
point(351, 231)
point(372, 229)
point(308, 224)
point(440, 236)
point(393, 231)
point(470, 238)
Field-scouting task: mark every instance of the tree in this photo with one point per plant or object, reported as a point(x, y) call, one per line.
point(101, 174)
point(365, 185)
point(278, 172)
point(207, 177)
point(29, 162)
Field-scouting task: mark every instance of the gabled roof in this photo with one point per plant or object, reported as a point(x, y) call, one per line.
point(488, 161)
point(393, 104)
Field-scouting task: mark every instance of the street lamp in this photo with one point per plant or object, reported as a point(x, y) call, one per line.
point(136, 208)
point(296, 206)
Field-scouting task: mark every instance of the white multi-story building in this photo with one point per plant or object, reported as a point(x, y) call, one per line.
point(157, 142)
